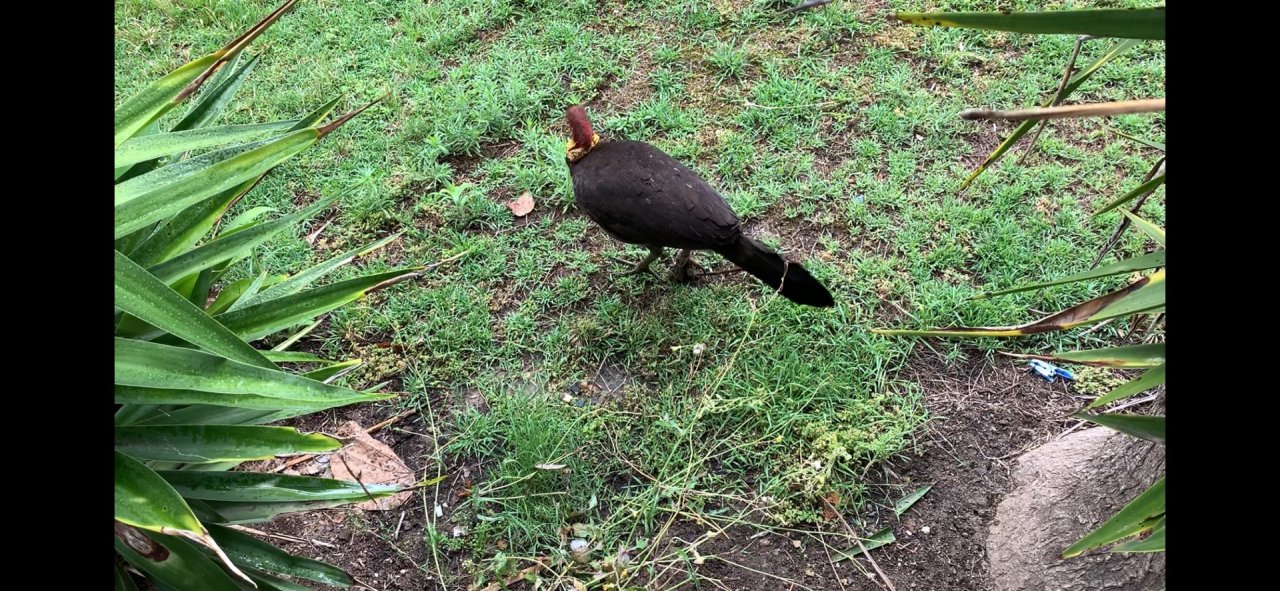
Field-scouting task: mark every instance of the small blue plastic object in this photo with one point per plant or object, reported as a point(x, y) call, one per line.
point(1049, 371)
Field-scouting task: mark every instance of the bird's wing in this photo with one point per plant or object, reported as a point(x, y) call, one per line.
point(642, 195)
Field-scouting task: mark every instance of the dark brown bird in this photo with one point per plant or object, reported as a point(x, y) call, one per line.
point(640, 195)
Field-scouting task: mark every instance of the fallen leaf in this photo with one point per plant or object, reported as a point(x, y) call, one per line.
point(828, 509)
point(311, 238)
point(370, 461)
point(522, 205)
point(906, 502)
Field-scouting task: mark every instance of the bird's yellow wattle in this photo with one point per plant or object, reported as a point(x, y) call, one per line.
point(573, 153)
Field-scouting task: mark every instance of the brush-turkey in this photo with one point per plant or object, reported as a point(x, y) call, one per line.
point(640, 195)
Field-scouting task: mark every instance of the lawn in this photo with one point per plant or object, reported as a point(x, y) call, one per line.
point(834, 136)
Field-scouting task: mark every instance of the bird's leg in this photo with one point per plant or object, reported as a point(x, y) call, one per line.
point(684, 261)
point(642, 266)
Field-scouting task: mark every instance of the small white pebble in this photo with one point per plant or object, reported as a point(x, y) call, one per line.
point(795, 543)
point(699, 348)
point(924, 530)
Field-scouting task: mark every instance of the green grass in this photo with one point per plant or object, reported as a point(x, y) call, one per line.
point(833, 135)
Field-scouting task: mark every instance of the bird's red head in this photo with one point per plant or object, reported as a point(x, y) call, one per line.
point(582, 138)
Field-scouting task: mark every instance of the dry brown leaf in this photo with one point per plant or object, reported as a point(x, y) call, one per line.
point(370, 461)
point(311, 238)
point(829, 508)
point(522, 205)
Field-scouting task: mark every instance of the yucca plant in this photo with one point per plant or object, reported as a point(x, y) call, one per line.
point(1145, 296)
point(194, 395)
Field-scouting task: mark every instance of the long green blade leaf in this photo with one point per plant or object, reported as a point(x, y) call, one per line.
point(129, 414)
point(1138, 191)
point(1145, 295)
point(249, 551)
point(147, 147)
point(1149, 298)
point(153, 365)
point(175, 171)
point(301, 280)
point(143, 296)
point(172, 396)
point(257, 487)
point(222, 88)
point(257, 321)
point(205, 414)
point(332, 372)
point(243, 513)
point(245, 220)
point(1134, 518)
point(906, 502)
point(200, 444)
point(232, 293)
point(181, 232)
point(1151, 378)
point(1153, 231)
point(1139, 263)
point(1130, 356)
point(1140, 426)
point(144, 500)
point(1145, 142)
point(134, 210)
point(224, 248)
point(268, 582)
point(295, 357)
point(314, 118)
point(155, 100)
point(1152, 543)
point(878, 539)
point(172, 561)
point(1140, 23)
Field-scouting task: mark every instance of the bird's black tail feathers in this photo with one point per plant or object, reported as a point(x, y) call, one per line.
point(767, 266)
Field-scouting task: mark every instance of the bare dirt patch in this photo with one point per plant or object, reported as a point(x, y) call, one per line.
point(984, 415)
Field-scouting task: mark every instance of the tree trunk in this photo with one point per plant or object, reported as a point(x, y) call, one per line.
point(1063, 490)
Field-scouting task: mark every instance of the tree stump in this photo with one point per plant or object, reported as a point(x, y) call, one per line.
point(1063, 490)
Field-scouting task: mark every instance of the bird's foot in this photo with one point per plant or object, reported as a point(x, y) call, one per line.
point(635, 268)
point(684, 265)
point(642, 266)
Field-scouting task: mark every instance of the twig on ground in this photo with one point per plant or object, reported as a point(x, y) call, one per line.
point(1057, 96)
point(806, 5)
point(858, 539)
point(1062, 112)
point(343, 459)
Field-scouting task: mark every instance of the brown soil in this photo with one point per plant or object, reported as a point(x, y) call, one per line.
point(983, 416)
